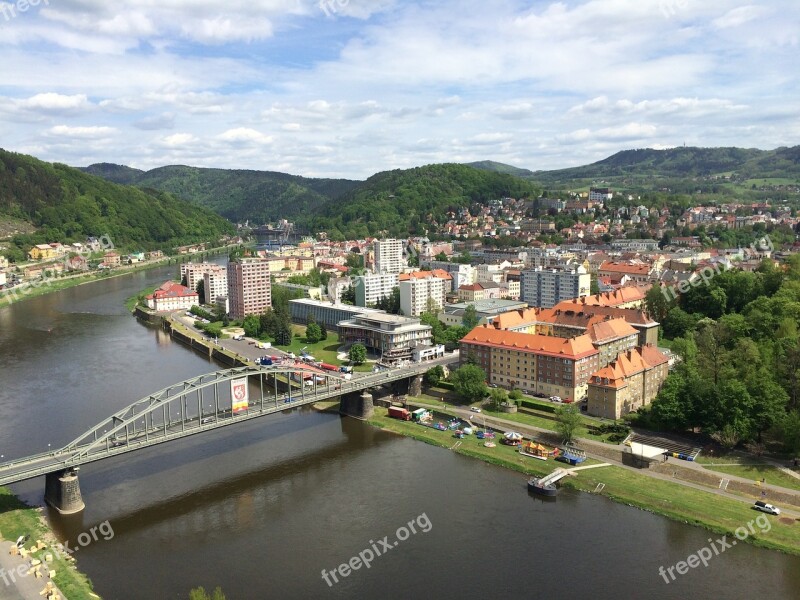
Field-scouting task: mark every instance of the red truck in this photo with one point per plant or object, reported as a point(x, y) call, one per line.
point(328, 367)
point(396, 412)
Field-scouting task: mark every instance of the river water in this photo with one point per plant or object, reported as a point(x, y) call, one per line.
point(261, 508)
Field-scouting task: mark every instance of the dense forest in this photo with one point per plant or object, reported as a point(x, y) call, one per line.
point(403, 202)
point(239, 195)
point(68, 205)
point(739, 343)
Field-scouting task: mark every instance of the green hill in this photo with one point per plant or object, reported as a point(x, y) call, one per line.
point(238, 195)
point(65, 204)
point(497, 167)
point(403, 202)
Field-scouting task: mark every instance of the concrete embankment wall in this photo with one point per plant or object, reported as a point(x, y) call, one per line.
point(202, 346)
point(148, 317)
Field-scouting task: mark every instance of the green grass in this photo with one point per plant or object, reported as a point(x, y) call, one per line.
point(771, 474)
point(18, 519)
point(682, 503)
point(131, 302)
point(326, 351)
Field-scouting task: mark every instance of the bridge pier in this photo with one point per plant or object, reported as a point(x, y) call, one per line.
point(415, 386)
point(63, 491)
point(357, 405)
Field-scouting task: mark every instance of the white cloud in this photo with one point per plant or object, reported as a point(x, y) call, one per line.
point(81, 133)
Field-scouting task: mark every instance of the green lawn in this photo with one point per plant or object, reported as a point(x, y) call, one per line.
point(682, 503)
point(325, 351)
point(771, 474)
point(18, 519)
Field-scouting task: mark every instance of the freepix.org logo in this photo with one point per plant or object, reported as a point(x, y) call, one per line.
point(11, 10)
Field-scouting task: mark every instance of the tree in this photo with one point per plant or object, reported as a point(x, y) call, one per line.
point(568, 419)
point(252, 326)
point(358, 354)
point(349, 295)
point(677, 323)
point(470, 319)
point(515, 394)
point(656, 303)
point(201, 292)
point(594, 285)
point(323, 331)
point(201, 594)
point(469, 382)
point(313, 333)
point(441, 257)
point(268, 322)
point(434, 376)
point(498, 396)
point(390, 303)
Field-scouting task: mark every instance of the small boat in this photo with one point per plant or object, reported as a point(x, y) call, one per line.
point(535, 486)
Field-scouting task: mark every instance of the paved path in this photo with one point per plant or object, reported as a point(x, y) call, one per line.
point(14, 587)
point(531, 430)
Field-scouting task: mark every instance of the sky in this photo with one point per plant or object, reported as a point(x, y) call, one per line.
point(348, 88)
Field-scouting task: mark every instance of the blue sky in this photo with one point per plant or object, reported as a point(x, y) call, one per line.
point(346, 88)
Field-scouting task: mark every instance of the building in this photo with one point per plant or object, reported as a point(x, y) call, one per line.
point(611, 337)
point(249, 287)
point(633, 245)
point(42, 252)
point(473, 292)
point(637, 272)
point(597, 194)
point(215, 284)
point(629, 382)
point(394, 337)
point(520, 320)
point(194, 273)
point(624, 297)
point(575, 322)
point(485, 310)
point(3, 262)
point(112, 259)
point(371, 288)
point(326, 313)
point(546, 288)
point(535, 364)
point(462, 274)
point(423, 291)
point(389, 256)
point(172, 296)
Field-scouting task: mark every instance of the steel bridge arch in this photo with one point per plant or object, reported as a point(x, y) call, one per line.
point(107, 431)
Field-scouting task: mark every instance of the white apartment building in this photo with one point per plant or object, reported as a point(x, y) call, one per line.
point(422, 291)
point(371, 288)
point(215, 284)
point(195, 272)
point(389, 256)
point(461, 274)
point(547, 287)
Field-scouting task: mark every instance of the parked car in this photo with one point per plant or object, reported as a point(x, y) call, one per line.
point(492, 385)
point(475, 409)
point(555, 398)
point(767, 508)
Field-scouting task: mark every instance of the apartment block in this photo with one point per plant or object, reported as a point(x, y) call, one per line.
point(249, 287)
point(536, 364)
point(389, 256)
point(371, 288)
point(546, 288)
point(423, 291)
point(215, 284)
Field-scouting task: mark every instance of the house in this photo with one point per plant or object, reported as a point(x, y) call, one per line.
point(42, 252)
point(111, 259)
point(172, 296)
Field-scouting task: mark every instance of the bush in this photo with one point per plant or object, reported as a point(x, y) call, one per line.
point(515, 394)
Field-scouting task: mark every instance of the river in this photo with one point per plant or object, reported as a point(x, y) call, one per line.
point(261, 508)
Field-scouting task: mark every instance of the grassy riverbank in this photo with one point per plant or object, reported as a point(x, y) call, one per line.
point(16, 519)
point(681, 503)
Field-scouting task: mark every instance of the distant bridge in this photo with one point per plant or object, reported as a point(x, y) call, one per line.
point(198, 405)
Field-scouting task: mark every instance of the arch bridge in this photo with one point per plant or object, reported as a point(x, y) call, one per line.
point(197, 405)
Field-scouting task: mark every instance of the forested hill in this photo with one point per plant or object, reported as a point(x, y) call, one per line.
point(674, 164)
point(403, 202)
point(66, 204)
point(239, 195)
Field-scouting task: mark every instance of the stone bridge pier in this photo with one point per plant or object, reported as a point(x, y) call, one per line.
point(63, 491)
point(357, 404)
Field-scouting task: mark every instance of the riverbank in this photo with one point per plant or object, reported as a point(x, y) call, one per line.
point(657, 494)
point(16, 519)
point(12, 295)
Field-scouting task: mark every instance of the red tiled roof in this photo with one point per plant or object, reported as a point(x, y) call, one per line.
point(574, 348)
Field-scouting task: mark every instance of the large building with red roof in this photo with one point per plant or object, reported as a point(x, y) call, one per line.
point(172, 296)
